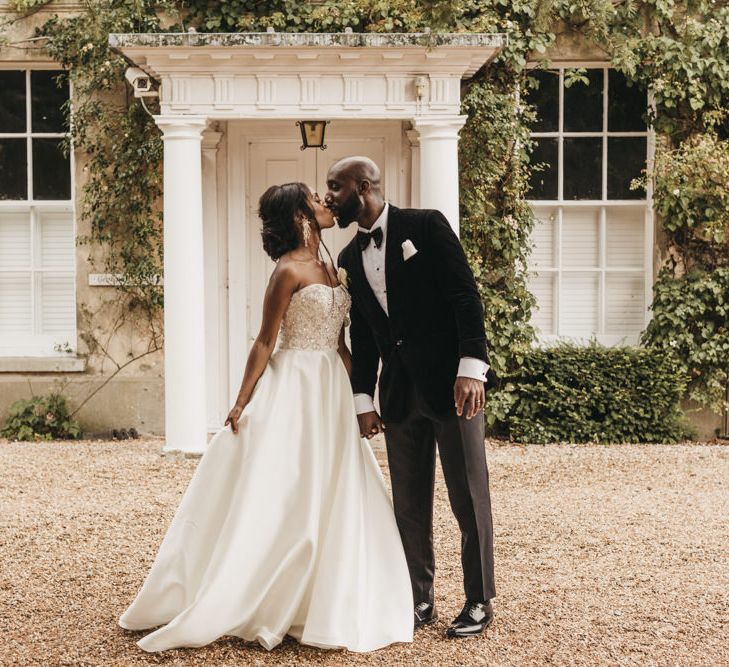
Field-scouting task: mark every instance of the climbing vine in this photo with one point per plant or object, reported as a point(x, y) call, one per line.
point(673, 48)
point(691, 293)
point(120, 145)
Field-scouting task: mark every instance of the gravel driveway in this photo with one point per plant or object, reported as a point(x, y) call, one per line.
point(605, 555)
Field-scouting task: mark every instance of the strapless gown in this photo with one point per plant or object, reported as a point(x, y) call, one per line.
point(285, 527)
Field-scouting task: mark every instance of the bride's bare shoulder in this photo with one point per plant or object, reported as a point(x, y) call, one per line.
point(286, 274)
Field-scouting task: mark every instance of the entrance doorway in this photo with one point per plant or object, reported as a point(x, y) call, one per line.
point(261, 155)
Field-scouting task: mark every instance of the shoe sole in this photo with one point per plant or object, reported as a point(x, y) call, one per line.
point(464, 635)
point(430, 621)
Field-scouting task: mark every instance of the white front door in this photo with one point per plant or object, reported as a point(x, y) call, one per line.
point(277, 163)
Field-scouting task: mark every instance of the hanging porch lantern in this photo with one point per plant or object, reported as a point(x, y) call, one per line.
point(312, 133)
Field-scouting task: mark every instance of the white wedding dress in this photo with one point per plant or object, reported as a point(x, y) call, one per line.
point(286, 527)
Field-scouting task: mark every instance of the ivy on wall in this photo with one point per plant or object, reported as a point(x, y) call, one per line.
point(691, 294)
point(682, 60)
point(675, 49)
point(119, 145)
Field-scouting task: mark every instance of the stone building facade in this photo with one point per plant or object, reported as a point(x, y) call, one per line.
point(228, 109)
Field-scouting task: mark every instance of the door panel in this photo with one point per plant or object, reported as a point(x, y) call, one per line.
point(270, 163)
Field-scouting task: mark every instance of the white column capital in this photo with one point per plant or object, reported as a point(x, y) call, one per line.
point(210, 140)
point(439, 127)
point(181, 126)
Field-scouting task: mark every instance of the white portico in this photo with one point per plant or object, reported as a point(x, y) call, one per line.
point(229, 103)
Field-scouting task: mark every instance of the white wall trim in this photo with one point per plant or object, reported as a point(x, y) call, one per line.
point(67, 364)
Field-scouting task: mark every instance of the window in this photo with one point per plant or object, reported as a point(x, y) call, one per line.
point(37, 258)
point(590, 268)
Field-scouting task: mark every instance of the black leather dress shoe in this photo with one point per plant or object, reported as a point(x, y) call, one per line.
point(473, 620)
point(425, 614)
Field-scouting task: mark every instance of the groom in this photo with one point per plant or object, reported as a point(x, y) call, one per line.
point(415, 306)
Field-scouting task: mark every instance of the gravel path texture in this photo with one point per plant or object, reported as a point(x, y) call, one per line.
point(605, 555)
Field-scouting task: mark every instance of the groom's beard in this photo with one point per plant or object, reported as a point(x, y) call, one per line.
point(350, 211)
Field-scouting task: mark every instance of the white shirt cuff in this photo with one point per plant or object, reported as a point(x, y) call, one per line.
point(470, 367)
point(363, 403)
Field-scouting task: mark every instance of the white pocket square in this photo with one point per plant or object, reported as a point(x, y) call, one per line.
point(408, 250)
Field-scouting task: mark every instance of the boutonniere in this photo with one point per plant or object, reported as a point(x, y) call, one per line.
point(343, 277)
point(408, 250)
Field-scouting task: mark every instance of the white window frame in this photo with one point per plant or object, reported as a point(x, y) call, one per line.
point(36, 344)
point(561, 205)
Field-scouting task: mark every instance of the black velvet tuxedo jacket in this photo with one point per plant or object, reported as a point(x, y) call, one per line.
point(435, 315)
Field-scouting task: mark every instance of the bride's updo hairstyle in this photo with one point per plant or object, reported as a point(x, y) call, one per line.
point(277, 208)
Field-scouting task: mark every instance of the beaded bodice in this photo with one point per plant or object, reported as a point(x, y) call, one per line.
point(314, 318)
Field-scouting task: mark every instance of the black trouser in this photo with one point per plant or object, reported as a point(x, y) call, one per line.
point(411, 456)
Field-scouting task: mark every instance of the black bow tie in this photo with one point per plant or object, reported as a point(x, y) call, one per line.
point(364, 238)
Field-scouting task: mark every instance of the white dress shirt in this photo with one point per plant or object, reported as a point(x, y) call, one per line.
point(373, 263)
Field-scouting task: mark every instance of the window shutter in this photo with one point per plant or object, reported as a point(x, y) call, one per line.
point(578, 304)
point(56, 241)
point(57, 303)
point(581, 238)
point(625, 238)
point(542, 286)
point(15, 304)
point(14, 241)
point(37, 282)
point(624, 303)
point(15, 292)
point(543, 240)
point(56, 289)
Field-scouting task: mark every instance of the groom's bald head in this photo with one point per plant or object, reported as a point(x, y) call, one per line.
point(354, 191)
point(358, 168)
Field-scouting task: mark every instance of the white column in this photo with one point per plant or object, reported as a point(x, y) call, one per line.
point(414, 141)
point(211, 245)
point(184, 281)
point(439, 164)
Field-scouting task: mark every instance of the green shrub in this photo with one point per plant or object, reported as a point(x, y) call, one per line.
point(691, 321)
point(571, 393)
point(41, 418)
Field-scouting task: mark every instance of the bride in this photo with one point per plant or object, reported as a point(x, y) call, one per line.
point(286, 526)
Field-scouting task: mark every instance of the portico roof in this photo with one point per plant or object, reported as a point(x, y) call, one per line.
point(283, 74)
point(481, 47)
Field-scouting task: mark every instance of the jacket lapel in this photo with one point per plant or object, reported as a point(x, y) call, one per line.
point(393, 262)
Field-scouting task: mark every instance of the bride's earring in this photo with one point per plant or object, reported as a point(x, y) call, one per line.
point(306, 231)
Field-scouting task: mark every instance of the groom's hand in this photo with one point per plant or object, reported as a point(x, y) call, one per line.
point(468, 390)
point(370, 424)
